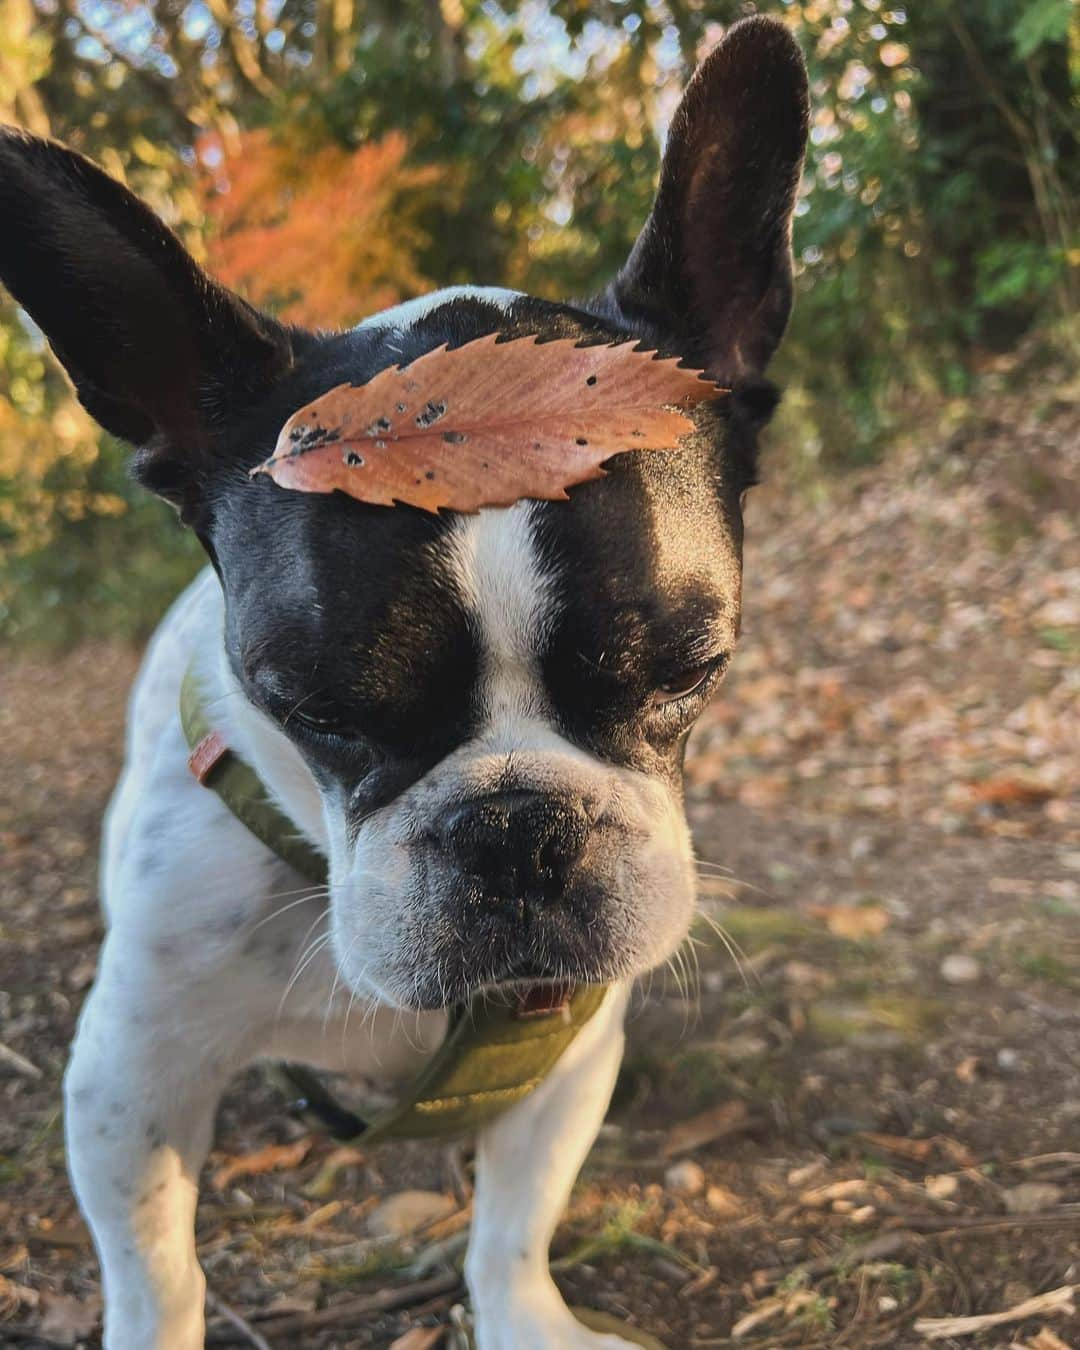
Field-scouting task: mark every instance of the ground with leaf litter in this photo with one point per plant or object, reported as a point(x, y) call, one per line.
point(863, 1132)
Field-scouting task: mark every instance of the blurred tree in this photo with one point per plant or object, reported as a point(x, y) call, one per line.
point(269, 201)
point(375, 148)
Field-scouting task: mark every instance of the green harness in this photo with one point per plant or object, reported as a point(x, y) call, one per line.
point(491, 1057)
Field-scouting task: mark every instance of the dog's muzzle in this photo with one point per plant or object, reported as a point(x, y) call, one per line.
point(518, 848)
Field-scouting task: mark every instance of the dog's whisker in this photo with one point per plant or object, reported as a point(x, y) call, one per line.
point(309, 952)
point(740, 883)
point(305, 898)
point(738, 956)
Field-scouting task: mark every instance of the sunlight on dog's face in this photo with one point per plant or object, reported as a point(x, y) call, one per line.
point(495, 706)
point(516, 858)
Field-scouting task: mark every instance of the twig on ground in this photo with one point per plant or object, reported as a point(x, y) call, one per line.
point(949, 1223)
point(15, 1334)
point(877, 1249)
point(18, 1062)
point(231, 1316)
point(1054, 1301)
point(386, 1300)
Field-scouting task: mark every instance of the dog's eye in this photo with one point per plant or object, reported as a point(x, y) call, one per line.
point(688, 681)
point(319, 717)
point(314, 722)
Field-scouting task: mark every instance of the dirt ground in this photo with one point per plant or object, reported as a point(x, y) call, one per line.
point(861, 1119)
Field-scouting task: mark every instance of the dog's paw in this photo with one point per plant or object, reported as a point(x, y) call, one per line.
point(552, 1327)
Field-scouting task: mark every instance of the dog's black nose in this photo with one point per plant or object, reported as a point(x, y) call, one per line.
point(518, 844)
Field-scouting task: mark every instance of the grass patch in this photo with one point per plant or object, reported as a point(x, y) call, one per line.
point(1048, 966)
point(619, 1234)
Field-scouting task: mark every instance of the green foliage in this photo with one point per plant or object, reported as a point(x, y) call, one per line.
point(101, 573)
point(937, 220)
point(1045, 21)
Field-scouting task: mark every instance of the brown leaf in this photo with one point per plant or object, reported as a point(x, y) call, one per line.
point(420, 1338)
point(66, 1321)
point(1047, 1340)
point(1010, 791)
point(704, 1128)
point(968, 1069)
point(486, 424)
point(325, 1180)
point(852, 921)
point(274, 1158)
point(918, 1150)
point(407, 1211)
point(14, 1296)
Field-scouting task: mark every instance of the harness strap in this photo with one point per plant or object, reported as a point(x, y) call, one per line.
point(239, 787)
point(492, 1055)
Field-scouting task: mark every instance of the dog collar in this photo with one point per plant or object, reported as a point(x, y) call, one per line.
point(491, 1057)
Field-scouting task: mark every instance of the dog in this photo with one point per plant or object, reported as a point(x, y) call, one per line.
point(479, 719)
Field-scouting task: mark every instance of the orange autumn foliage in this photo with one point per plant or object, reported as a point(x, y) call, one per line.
point(323, 236)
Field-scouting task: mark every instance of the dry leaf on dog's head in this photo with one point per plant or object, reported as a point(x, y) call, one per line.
point(487, 424)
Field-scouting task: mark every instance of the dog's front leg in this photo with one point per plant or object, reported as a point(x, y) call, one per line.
point(526, 1164)
point(145, 1076)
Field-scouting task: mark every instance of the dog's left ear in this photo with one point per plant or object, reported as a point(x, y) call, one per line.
point(712, 267)
point(158, 351)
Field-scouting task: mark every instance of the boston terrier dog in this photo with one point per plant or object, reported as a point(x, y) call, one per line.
point(479, 719)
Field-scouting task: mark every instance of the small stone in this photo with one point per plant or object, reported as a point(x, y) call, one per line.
point(1007, 1059)
point(959, 968)
point(799, 1176)
point(887, 1304)
point(685, 1178)
point(81, 974)
point(1031, 1196)
point(407, 1211)
point(723, 1202)
point(941, 1187)
point(736, 1049)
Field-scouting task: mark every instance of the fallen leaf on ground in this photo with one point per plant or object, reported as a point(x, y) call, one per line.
point(757, 1317)
point(1010, 792)
point(14, 1296)
point(11, 1258)
point(820, 1196)
point(853, 921)
point(66, 1321)
point(486, 424)
point(968, 1069)
point(420, 1338)
point(702, 1129)
point(918, 1150)
point(1054, 1301)
point(407, 1211)
point(325, 1179)
point(318, 1217)
point(1031, 1196)
point(1046, 1340)
point(723, 1202)
point(274, 1158)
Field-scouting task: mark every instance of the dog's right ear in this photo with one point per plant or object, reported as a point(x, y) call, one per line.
point(712, 266)
point(157, 350)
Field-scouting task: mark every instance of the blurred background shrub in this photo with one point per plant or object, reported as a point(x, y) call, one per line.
point(331, 157)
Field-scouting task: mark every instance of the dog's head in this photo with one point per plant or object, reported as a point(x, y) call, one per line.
point(494, 707)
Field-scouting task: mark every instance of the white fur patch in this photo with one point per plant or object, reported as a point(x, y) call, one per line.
point(498, 572)
point(405, 315)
